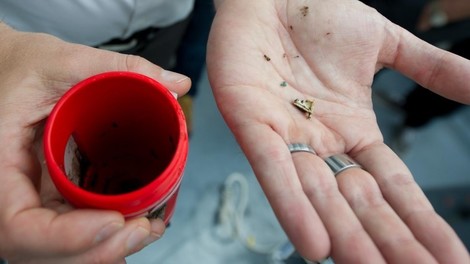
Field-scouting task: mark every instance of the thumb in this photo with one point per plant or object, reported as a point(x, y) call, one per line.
point(43, 233)
point(438, 70)
point(174, 81)
point(90, 61)
point(59, 63)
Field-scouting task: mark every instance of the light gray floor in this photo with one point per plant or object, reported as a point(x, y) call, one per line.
point(439, 157)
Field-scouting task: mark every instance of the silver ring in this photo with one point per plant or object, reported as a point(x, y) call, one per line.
point(341, 162)
point(300, 147)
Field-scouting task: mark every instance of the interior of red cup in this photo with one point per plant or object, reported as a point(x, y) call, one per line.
point(126, 131)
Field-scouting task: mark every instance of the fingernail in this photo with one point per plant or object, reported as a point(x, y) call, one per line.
point(175, 77)
point(108, 231)
point(157, 226)
point(175, 95)
point(152, 238)
point(137, 238)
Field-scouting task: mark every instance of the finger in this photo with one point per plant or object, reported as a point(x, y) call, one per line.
point(136, 234)
point(75, 62)
point(78, 62)
point(112, 61)
point(174, 81)
point(439, 70)
point(273, 166)
point(350, 242)
point(25, 228)
point(409, 202)
point(66, 234)
point(25, 225)
point(157, 228)
point(392, 237)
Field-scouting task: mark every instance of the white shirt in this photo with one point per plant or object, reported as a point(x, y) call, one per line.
point(92, 22)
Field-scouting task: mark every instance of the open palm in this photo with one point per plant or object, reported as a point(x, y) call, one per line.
point(265, 54)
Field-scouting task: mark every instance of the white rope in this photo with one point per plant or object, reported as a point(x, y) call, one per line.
point(234, 202)
point(231, 216)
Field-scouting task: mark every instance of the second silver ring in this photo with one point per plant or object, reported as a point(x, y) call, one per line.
point(341, 162)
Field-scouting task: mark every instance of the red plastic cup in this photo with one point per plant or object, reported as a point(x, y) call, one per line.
point(118, 141)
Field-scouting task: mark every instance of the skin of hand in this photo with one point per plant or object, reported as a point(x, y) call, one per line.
point(454, 10)
point(329, 51)
point(36, 224)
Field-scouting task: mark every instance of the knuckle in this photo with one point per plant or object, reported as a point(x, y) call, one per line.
point(361, 191)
